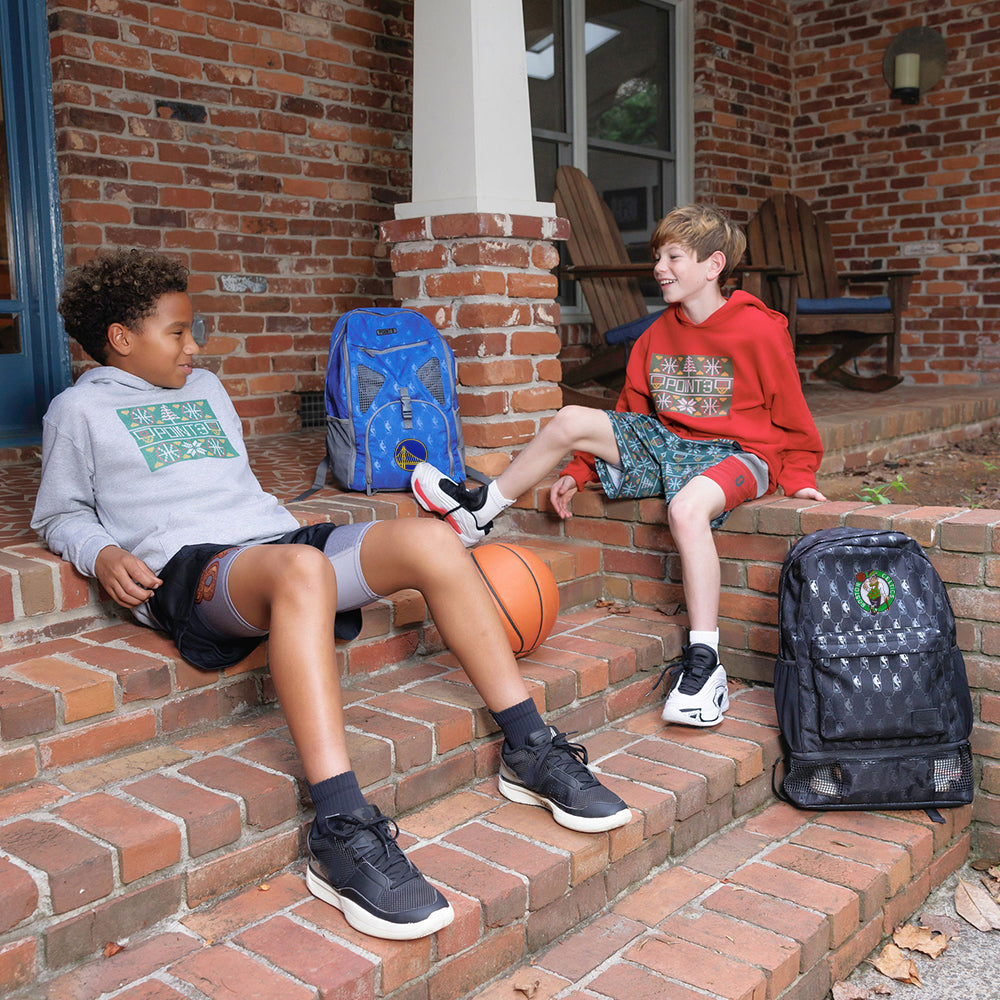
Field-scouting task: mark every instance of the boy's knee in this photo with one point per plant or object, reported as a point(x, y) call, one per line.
point(304, 566)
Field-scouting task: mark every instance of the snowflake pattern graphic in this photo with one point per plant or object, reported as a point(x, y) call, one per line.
point(167, 433)
point(692, 384)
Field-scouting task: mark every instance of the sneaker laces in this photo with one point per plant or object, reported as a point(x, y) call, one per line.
point(572, 756)
point(374, 841)
point(694, 668)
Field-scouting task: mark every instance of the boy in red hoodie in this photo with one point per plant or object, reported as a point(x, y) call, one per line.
point(712, 414)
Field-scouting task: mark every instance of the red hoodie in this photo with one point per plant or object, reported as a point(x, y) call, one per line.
point(733, 377)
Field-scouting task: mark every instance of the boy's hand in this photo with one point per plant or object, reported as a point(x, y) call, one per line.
point(561, 495)
point(128, 580)
point(808, 493)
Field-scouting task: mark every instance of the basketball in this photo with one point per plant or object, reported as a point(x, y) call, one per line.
point(524, 591)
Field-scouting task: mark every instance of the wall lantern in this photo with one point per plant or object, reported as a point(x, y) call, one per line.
point(914, 62)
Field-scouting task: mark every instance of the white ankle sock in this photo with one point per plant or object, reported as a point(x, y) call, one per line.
point(710, 639)
point(495, 503)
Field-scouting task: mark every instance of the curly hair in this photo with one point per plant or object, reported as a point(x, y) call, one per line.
point(702, 230)
point(117, 286)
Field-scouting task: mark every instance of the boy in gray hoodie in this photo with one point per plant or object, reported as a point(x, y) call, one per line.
point(146, 486)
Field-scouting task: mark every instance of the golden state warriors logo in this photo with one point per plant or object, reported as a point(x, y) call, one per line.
point(874, 591)
point(409, 454)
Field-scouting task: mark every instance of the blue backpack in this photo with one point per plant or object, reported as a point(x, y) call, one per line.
point(391, 402)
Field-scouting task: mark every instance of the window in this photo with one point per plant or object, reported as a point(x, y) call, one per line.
point(609, 90)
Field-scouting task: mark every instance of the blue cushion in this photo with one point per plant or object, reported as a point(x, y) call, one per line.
point(629, 332)
point(847, 304)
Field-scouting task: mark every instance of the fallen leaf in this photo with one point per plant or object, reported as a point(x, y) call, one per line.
point(112, 948)
point(850, 991)
point(941, 923)
point(263, 887)
point(982, 864)
point(976, 905)
point(991, 883)
point(891, 962)
point(529, 989)
point(922, 939)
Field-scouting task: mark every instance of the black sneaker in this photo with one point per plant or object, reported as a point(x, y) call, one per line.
point(456, 504)
point(358, 867)
point(552, 772)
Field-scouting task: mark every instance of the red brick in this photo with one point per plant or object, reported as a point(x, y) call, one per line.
point(503, 896)
point(210, 820)
point(582, 952)
point(18, 964)
point(546, 872)
point(241, 867)
point(699, 967)
point(662, 895)
point(78, 870)
point(452, 727)
point(145, 842)
point(479, 964)
point(336, 971)
point(270, 798)
point(85, 934)
point(25, 710)
point(221, 971)
point(868, 881)
point(90, 742)
point(690, 790)
point(19, 894)
point(624, 981)
point(795, 921)
point(839, 904)
point(139, 959)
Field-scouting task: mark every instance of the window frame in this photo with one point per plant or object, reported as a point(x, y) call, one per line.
point(577, 143)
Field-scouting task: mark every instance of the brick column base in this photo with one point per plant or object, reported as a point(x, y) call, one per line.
point(485, 282)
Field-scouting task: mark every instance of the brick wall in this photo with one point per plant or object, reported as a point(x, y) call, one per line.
point(791, 95)
point(910, 186)
point(262, 144)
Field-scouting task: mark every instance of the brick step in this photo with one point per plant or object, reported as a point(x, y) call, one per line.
point(902, 424)
point(187, 798)
point(713, 890)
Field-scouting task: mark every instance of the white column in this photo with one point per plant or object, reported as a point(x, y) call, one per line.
point(471, 124)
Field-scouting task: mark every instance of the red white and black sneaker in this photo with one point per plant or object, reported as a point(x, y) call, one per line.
point(437, 493)
point(356, 865)
point(700, 692)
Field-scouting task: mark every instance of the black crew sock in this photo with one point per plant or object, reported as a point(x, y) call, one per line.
point(339, 794)
point(518, 721)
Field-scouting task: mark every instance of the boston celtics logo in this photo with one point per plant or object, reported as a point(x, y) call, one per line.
point(874, 591)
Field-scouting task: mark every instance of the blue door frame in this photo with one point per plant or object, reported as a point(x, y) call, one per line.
point(31, 375)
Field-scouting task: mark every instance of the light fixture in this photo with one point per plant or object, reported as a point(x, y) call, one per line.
point(914, 62)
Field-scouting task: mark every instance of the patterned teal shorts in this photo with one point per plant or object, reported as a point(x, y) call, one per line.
point(655, 462)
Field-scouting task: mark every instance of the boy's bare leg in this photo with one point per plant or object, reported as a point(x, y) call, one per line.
point(427, 556)
point(573, 428)
point(292, 590)
point(690, 514)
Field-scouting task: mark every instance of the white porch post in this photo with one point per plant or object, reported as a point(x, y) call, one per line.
point(471, 123)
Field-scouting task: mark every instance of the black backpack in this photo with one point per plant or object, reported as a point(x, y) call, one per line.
point(870, 688)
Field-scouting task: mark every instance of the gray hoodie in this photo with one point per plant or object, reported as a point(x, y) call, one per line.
point(148, 469)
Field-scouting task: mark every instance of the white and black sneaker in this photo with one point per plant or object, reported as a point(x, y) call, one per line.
point(552, 772)
point(357, 866)
point(457, 505)
point(700, 693)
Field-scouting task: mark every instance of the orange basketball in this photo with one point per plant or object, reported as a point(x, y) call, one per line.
point(524, 591)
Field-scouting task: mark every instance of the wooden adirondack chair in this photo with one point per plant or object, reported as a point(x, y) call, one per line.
point(810, 291)
point(610, 281)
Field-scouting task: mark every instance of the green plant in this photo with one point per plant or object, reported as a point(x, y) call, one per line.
point(877, 494)
point(990, 467)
